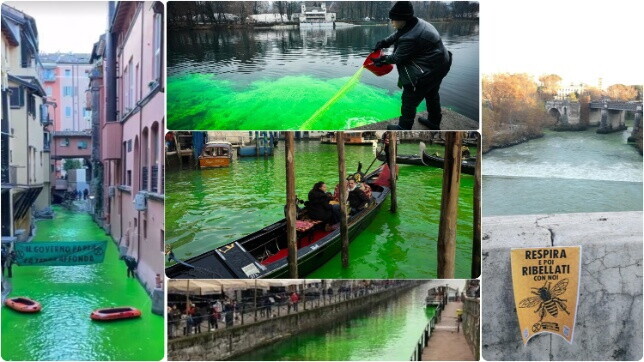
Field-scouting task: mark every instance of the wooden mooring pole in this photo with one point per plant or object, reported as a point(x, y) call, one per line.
point(476, 240)
point(344, 228)
point(393, 170)
point(291, 216)
point(449, 205)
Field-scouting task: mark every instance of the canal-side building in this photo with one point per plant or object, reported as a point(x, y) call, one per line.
point(126, 97)
point(64, 77)
point(25, 138)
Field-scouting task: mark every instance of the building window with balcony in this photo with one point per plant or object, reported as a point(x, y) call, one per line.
point(68, 112)
point(64, 142)
point(48, 75)
point(68, 91)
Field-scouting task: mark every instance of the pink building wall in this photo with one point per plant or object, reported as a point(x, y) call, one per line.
point(141, 112)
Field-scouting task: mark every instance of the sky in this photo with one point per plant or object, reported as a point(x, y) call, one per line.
point(578, 40)
point(66, 26)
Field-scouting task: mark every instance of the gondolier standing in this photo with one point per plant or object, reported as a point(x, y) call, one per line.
point(422, 62)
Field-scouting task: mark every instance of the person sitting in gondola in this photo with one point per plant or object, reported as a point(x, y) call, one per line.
point(357, 198)
point(319, 207)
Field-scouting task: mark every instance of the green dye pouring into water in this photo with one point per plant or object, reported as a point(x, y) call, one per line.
point(353, 81)
point(205, 102)
point(68, 294)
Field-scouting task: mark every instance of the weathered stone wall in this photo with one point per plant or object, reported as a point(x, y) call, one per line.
point(226, 343)
point(472, 324)
point(609, 316)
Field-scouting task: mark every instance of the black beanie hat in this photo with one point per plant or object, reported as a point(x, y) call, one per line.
point(402, 10)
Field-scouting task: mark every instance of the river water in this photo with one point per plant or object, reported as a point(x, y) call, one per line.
point(276, 79)
point(388, 332)
point(209, 208)
point(62, 330)
point(563, 172)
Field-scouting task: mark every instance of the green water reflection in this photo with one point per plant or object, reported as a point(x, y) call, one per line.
point(209, 208)
point(390, 332)
point(63, 329)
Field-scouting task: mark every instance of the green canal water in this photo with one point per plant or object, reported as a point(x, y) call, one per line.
point(389, 332)
point(563, 172)
point(209, 208)
point(68, 294)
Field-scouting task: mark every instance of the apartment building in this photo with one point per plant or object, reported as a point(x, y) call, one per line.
point(25, 118)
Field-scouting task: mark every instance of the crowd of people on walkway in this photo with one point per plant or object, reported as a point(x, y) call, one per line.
point(199, 314)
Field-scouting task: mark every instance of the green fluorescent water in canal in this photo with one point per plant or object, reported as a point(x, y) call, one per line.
point(68, 294)
point(261, 105)
point(388, 332)
point(209, 208)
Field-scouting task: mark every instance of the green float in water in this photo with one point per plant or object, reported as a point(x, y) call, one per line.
point(201, 101)
point(63, 329)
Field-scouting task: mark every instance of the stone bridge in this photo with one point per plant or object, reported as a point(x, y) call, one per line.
point(608, 115)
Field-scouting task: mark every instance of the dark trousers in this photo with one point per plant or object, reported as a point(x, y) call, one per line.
point(426, 89)
point(130, 272)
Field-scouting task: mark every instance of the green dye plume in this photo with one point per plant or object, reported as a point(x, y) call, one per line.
point(341, 93)
point(203, 102)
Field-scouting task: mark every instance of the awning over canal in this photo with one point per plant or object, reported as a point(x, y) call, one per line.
point(214, 286)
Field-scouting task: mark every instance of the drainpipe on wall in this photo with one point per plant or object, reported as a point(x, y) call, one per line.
point(141, 145)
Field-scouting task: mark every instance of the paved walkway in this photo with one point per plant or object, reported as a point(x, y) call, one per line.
point(445, 343)
point(451, 121)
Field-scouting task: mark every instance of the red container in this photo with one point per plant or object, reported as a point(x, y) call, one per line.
point(379, 71)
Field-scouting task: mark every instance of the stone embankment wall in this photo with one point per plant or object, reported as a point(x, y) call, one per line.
point(227, 343)
point(472, 324)
point(609, 316)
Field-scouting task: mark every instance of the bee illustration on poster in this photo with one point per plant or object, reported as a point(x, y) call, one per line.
point(546, 289)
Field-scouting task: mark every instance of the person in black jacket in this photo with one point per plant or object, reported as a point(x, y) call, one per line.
point(422, 62)
point(318, 205)
point(357, 198)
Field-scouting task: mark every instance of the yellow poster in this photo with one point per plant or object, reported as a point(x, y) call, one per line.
point(546, 289)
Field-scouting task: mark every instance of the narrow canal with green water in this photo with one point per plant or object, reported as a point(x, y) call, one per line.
point(388, 332)
point(209, 208)
point(63, 329)
point(563, 172)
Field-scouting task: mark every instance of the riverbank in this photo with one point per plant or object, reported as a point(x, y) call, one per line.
point(451, 121)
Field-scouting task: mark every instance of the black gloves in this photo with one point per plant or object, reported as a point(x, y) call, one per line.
point(379, 45)
point(380, 61)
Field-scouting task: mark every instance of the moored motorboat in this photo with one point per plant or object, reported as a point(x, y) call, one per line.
point(110, 314)
point(263, 254)
point(23, 304)
point(216, 154)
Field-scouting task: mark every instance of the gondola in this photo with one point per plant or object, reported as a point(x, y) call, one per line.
point(467, 165)
point(263, 254)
